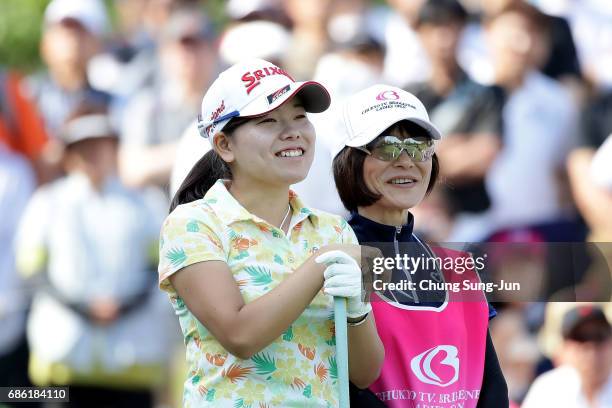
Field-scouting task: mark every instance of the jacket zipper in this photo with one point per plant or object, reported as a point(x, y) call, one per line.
point(398, 231)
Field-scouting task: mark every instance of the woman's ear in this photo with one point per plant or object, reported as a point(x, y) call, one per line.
point(222, 145)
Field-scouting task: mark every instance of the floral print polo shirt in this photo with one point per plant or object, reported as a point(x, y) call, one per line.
point(299, 368)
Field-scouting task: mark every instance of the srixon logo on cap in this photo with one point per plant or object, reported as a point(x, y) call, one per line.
point(252, 79)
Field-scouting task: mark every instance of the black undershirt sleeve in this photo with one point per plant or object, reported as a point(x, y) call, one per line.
point(494, 390)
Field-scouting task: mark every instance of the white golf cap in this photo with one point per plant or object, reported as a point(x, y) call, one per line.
point(251, 88)
point(91, 14)
point(91, 126)
point(369, 112)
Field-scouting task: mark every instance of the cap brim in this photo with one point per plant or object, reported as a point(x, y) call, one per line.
point(376, 129)
point(312, 94)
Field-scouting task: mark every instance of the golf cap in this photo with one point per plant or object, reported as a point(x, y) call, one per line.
point(574, 318)
point(252, 88)
point(369, 112)
point(90, 14)
point(91, 126)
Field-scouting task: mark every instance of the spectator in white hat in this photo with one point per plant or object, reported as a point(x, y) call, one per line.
point(244, 260)
point(72, 34)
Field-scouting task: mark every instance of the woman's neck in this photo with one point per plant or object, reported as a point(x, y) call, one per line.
point(384, 216)
point(269, 203)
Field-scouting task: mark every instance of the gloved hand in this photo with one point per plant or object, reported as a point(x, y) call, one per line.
point(343, 279)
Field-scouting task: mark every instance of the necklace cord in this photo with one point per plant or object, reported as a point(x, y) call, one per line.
point(286, 215)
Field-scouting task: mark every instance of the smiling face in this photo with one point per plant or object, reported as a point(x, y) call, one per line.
point(272, 150)
point(402, 183)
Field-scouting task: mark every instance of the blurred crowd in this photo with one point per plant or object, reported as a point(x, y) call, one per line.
point(93, 146)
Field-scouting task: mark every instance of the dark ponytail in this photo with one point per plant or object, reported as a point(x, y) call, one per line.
point(205, 172)
point(201, 178)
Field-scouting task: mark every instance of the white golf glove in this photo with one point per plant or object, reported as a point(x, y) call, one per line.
point(343, 279)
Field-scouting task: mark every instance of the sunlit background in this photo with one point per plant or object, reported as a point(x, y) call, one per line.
point(98, 99)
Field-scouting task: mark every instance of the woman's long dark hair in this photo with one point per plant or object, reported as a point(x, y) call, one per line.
point(205, 172)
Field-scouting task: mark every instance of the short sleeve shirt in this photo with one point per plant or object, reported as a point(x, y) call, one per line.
point(299, 367)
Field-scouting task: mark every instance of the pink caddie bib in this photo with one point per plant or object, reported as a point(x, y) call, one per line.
point(434, 357)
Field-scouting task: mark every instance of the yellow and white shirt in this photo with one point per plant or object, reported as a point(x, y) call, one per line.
point(299, 367)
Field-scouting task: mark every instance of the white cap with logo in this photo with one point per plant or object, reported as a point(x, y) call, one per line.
point(91, 14)
point(253, 88)
point(369, 112)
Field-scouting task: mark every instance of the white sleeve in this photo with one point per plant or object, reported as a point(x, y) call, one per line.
point(191, 148)
point(601, 166)
point(536, 396)
point(31, 239)
point(16, 186)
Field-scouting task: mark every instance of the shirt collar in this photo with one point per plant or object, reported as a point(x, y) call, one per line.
point(368, 230)
point(229, 210)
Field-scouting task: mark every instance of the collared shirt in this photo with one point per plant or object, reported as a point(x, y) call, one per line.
point(92, 244)
point(299, 367)
point(539, 131)
point(561, 387)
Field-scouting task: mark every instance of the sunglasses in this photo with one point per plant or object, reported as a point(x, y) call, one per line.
point(389, 148)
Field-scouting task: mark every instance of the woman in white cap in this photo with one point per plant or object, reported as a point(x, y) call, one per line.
point(244, 260)
point(437, 348)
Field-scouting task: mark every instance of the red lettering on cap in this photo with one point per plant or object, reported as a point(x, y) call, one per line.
point(251, 80)
point(217, 112)
point(259, 74)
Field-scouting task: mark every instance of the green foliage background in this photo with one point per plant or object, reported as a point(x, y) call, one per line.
point(21, 24)
point(20, 27)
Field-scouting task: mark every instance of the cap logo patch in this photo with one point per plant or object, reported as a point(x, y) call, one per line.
point(387, 95)
point(380, 106)
point(277, 94)
point(252, 79)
